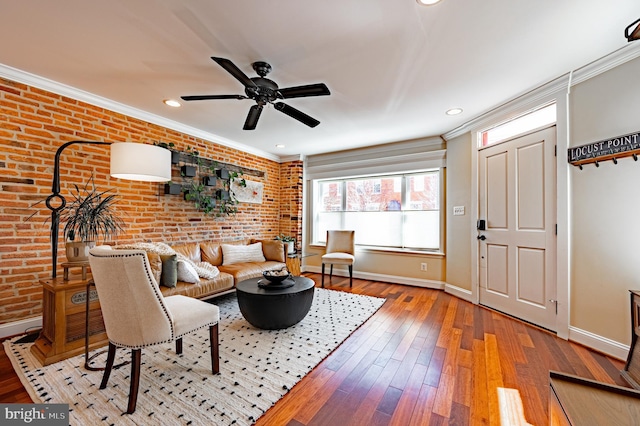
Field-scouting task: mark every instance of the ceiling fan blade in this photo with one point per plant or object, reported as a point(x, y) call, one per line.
point(232, 69)
point(252, 118)
point(319, 89)
point(207, 97)
point(297, 114)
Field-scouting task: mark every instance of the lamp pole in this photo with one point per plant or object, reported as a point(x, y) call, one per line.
point(56, 202)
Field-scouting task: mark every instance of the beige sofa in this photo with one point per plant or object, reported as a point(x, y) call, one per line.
point(230, 274)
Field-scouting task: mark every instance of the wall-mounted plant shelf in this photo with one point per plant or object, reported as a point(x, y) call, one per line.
point(206, 183)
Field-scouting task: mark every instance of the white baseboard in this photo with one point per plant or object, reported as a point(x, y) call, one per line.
point(416, 282)
point(461, 293)
point(599, 343)
point(19, 327)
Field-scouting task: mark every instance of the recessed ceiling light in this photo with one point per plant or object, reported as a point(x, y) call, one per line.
point(427, 2)
point(172, 103)
point(279, 145)
point(454, 111)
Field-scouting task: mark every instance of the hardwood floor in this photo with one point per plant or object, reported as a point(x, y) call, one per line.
point(425, 358)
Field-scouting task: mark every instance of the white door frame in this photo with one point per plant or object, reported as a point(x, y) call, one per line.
point(562, 205)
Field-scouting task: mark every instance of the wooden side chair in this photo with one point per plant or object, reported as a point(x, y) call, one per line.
point(136, 315)
point(340, 250)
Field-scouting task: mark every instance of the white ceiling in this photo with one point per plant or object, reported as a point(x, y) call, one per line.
point(393, 67)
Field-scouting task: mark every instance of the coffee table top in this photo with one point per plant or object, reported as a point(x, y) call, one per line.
point(250, 286)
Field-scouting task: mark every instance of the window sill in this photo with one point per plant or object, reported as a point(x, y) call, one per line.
point(389, 250)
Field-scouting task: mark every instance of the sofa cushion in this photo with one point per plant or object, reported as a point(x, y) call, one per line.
point(232, 254)
point(272, 249)
point(211, 252)
point(246, 270)
point(190, 250)
point(203, 289)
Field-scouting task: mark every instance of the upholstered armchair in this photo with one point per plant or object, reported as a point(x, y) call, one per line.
point(340, 250)
point(136, 315)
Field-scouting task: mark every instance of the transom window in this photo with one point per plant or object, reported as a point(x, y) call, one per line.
point(518, 126)
point(394, 211)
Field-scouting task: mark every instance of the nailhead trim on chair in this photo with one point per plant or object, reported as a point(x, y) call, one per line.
point(155, 292)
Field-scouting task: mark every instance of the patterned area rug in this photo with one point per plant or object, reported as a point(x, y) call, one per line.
point(257, 368)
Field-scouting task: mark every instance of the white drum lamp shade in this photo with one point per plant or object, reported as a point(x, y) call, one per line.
point(139, 161)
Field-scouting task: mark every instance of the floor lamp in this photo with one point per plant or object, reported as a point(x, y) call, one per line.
point(132, 161)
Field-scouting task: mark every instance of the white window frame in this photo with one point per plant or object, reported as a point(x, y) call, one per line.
point(316, 199)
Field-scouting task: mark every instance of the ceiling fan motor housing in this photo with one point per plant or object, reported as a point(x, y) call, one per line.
point(264, 91)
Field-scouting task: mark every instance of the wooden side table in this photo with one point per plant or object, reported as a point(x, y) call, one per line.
point(294, 262)
point(63, 320)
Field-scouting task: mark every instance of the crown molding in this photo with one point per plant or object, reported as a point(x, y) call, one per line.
point(535, 97)
point(33, 80)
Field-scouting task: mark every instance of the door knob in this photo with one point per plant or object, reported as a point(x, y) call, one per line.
point(482, 237)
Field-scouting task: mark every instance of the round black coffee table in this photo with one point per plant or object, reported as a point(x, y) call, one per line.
point(275, 307)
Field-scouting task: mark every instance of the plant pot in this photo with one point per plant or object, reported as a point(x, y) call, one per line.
point(172, 188)
point(209, 181)
point(175, 157)
point(78, 251)
point(291, 246)
point(188, 171)
point(222, 173)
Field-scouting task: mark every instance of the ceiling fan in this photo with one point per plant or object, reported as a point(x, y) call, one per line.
point(265, 91)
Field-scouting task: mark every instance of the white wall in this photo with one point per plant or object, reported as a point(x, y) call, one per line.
point(458, 248)
point(598, 208)
point(605, 205)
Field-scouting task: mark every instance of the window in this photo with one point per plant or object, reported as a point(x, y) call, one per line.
point(534, 120)
point(395, 211)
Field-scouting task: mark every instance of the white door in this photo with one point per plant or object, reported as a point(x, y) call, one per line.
point(518, 247)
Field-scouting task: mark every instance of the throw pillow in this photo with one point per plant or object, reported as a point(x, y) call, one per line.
point(156, 265)
point(240, 254)
point(273, 250)
point(169, 277)
point(187, 273)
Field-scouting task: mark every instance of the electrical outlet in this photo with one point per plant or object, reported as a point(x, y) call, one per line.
point(423, 266)
point(458, 210)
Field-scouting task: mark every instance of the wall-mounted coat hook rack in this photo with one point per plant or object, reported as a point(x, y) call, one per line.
point(609, 149)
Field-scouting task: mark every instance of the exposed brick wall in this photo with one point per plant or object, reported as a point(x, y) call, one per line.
point(34, 123)
point(291, 200)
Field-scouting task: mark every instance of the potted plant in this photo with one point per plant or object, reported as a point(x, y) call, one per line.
point(289, 241)
point(88, 216)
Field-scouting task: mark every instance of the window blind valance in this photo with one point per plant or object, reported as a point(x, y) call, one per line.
point(398, 157)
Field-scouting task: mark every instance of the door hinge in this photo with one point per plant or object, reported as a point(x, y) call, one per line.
point(556, 229)
point(555, 150)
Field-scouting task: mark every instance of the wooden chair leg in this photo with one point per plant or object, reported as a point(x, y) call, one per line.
point(215, 349)
point(179, 346)
point(111, 356)
point(323, 275)
point(136, 355)
point(330, 272)
point(350, 275)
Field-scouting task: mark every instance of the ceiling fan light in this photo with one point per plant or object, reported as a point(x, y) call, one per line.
point(427, 2)
point(172, 103)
